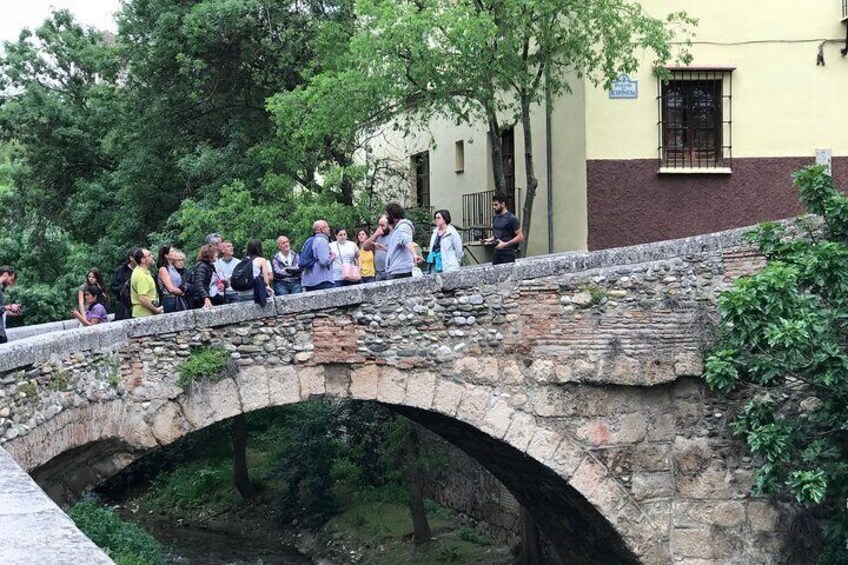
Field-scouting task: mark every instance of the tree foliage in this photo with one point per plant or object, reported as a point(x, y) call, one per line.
point(493, 60)
point(784, 345)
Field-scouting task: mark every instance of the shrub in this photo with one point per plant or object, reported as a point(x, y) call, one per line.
point(204, 362)
point(124, 542)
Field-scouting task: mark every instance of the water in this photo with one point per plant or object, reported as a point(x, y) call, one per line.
point(196, 546)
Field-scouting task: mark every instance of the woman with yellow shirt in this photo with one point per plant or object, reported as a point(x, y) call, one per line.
point(366, 259)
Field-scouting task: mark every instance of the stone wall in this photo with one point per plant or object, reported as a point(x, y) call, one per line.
point(571, 378)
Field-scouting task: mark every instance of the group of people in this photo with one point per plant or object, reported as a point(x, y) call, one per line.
point(218, 277)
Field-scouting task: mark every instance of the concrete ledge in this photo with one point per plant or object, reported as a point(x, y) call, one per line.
point(33, 529)
point(40, 348)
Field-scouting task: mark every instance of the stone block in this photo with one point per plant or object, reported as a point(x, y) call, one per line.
point(692, 454)
point(594, 483)
point(392, 386)
point(689, 364)
point(337, 380)
point(420, 390)
point(521, 430)
point(713, 482)
point(659, 513)
point(614, 430)
point(312, 382)
point(625, 370)
point(544, 444)
point(542, 370)
point(498, 418)
point(364, 382)
point(168, 423)
point(646, 486)
point(253, 388)
point(567, 458)
point(662, 428)
point(475, 401)
point(651, 457)
point(511, 372)
point(701, 543)
point(763, 516)
point(700, 514)
point(448, 396)
point(283, 385)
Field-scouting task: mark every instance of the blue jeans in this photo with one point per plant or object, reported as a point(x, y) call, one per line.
point(173, 303)
point(320, 286)
point(291, 286)
point(345, 283)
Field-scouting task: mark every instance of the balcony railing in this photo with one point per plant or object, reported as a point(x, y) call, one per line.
point(477, 215)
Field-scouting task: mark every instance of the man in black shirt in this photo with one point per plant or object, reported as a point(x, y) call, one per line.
point(507, 232)
point(121, 287)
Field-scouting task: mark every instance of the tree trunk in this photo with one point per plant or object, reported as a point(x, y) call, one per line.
point(529, 173)
point(531, 553)
point(497, 151)
point(240, 476)
point(420, 524)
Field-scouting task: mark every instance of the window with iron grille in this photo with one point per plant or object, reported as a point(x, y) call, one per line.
point(695, 120)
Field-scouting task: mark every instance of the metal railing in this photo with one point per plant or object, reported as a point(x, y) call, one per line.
point(844, 9)
point(477, 209)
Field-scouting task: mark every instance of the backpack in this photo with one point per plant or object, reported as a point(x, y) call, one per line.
point(124, 294)
point(307, 257)
point(191, 290)
point(242, 278)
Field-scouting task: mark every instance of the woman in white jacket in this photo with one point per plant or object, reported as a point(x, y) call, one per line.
point(445, 245)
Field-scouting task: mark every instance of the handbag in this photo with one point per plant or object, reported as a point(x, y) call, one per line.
point(350, 272)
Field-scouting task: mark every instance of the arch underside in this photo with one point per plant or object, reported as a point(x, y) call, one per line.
point(579, 533)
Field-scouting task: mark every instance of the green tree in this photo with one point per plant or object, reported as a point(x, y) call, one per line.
point(783, 347)
point(496, 59)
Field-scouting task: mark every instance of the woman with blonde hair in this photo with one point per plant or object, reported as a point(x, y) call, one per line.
point(171, 290)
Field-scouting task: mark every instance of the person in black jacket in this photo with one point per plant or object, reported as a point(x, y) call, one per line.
point(203, 272)
point(120, 287)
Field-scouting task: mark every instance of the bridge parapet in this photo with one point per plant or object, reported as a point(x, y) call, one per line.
point(584, 364)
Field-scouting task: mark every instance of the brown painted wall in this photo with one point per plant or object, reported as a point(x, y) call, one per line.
point(629, 203)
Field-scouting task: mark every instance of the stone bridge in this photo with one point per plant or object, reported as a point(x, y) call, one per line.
point(572, 378)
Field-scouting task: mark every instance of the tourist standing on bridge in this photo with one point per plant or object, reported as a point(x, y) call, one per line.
point(400, 251)
point(216, 285)
point(95, 312)
point(366, 258)
point(346, 263)
point(204, 272)
point(286, 268)
point(92, 278)
point(507, 232)
point(143, 295)
point(445, 245)
point(378, 244)
point(8, 278)
point(224, 267)
point(171, 282)
point(316, 259)
point(121, 287)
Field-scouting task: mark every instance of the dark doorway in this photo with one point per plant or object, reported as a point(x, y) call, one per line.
point(421, 167)
point(508, 156)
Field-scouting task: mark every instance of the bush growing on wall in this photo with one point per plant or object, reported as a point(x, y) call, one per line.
point(784, 346)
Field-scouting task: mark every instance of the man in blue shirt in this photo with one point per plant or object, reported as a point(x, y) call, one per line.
point(320, 275)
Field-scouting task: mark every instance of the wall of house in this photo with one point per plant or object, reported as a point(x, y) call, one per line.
point(784, 107)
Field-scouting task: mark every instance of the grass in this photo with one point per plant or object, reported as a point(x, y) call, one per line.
point(204, 362)
point(204, 487)
point(386, 529)
point(124, 542)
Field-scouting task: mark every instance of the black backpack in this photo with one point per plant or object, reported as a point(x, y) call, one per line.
point(242, 278)
point(191, 289)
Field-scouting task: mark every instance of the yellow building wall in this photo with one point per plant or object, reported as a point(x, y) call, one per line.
point(783, 104)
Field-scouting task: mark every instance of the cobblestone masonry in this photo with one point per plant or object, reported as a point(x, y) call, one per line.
point(572, 378)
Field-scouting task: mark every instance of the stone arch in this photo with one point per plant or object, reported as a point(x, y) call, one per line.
point(584, 511)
